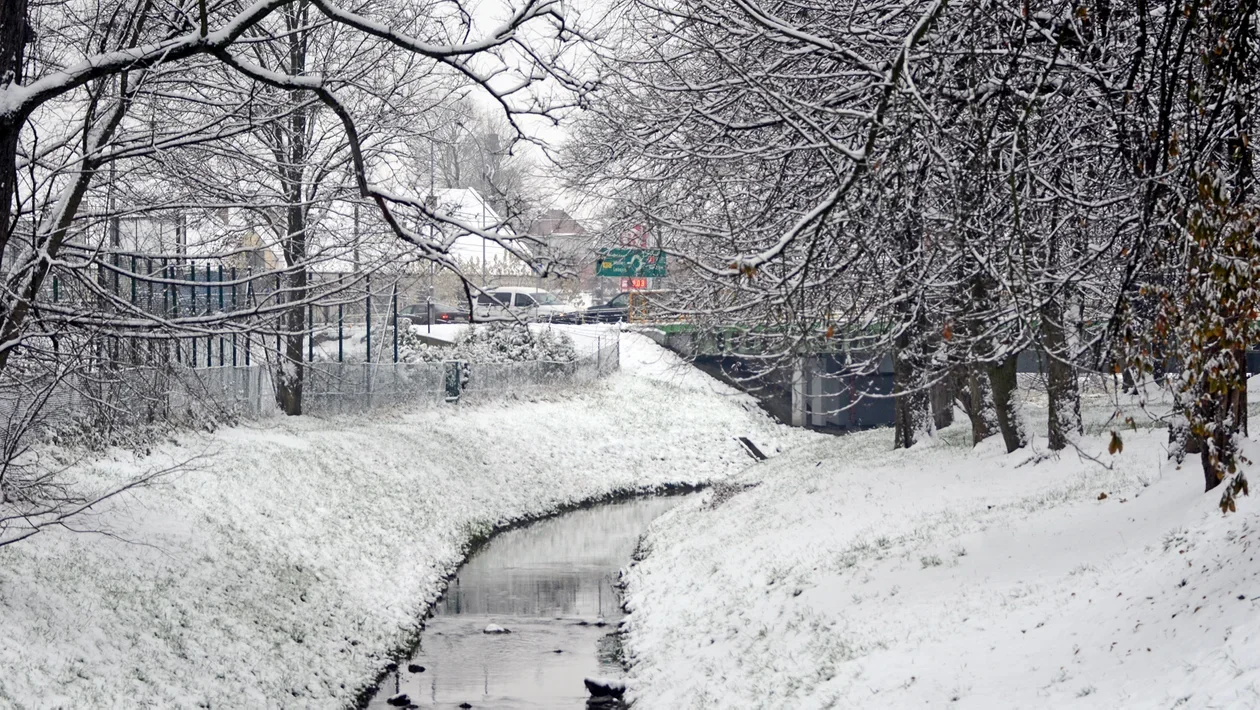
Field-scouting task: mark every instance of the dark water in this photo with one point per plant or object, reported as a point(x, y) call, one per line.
point(551, 585)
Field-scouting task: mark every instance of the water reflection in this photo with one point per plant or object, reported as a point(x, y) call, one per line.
point(551, 585)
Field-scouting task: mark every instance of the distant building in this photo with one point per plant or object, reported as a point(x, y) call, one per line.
point(567, 241)
point(255, 256)
point(475, 253)
point(562, 233)
point(556, 222)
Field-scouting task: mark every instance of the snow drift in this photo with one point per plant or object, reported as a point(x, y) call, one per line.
point(856, 576)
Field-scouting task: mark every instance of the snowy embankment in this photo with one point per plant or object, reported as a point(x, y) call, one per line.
point(295, 555)
point(858, 577)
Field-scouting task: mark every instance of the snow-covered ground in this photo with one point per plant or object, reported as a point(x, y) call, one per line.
point(854, 576)
point(296, 554)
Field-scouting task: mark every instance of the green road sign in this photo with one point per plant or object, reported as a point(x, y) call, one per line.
point(631, 262)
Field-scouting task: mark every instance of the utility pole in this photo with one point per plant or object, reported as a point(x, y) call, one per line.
point(483, 239)
point(181, 237)
point(115, 236)
point(431, 203)
point(356, 237)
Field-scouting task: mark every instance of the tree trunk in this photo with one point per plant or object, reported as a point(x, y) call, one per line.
point(1178, 434)
point(1210, 479)
point(1227, 412)
point(1128, 383)
point(912, 407)
point(1061, 386)
point(1194, 443)
point(911, 412)
point(943, 403)
point(980, 408)
point(13, 38)
point(1006, 404)
point(1181, 440)
point(292, 368)
point(293, 157)
point(1240, 394)
point(8, 179)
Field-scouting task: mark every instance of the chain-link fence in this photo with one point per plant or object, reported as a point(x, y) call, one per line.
point(96, 402)
point(338, 387)
point(189, 395)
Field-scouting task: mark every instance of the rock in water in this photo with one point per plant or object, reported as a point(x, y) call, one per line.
point(605, 687)
point(399, 701)
point(495, 629)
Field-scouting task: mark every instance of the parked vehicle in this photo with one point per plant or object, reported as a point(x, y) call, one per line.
point(442, 313)
point(523, 302)
point(616, 310)
point(622, 307)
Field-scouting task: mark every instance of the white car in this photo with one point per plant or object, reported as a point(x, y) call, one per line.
point(524, 302)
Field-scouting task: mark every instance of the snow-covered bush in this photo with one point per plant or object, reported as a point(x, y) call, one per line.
point(496, 343)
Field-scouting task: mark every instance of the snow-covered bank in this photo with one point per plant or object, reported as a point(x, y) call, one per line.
point(858, 577)
point(300, 552)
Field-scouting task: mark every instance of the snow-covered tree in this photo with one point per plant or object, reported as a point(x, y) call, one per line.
point(93, 96)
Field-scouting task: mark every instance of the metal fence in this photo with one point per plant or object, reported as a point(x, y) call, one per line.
point(340, 387)
point(337, 387)
point(191, 395)
point(96, 402)
point(134, 339)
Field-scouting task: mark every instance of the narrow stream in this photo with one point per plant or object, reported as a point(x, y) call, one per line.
point(551, 585)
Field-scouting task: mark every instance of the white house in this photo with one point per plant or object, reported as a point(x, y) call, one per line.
point(467, 206)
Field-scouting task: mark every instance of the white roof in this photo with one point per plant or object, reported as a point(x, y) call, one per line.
point(467, 205)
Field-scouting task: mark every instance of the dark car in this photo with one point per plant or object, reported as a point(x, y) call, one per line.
point(614, 311)
point(442, 313)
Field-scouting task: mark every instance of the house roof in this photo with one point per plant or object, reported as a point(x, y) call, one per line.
point(555, 221)
point(467, 205)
